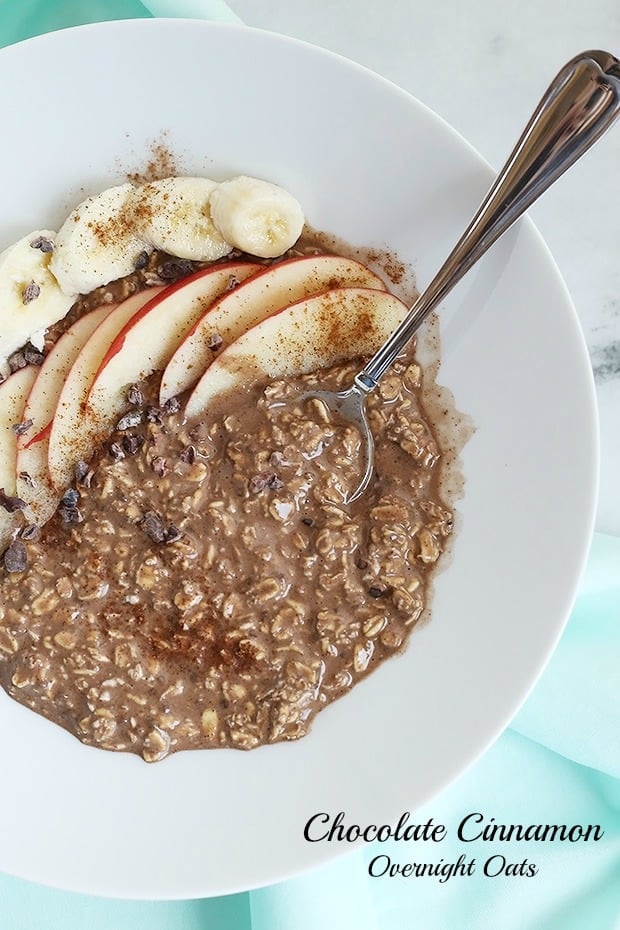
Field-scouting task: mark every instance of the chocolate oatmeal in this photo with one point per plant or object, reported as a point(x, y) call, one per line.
point(203, 585)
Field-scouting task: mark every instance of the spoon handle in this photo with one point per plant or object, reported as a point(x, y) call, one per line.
point(578, 107)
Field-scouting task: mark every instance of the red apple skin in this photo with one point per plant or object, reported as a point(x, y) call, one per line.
point(272, 289)
point(33, 447)
point(74, 430)
point(316, 333)
point(191, 296)
point(13, 395)
point(134, 340)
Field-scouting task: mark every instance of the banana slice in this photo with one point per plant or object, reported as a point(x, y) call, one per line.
point(30, 298)
point(97, 243)
point(173, 215)
point(256, 216)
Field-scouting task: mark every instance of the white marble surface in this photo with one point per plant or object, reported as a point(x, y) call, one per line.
point(482, 66)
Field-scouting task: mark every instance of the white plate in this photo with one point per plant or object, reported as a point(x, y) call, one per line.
point(373, 165)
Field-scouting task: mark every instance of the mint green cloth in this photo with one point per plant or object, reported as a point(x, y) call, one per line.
point(22, 19)
point(558, 763)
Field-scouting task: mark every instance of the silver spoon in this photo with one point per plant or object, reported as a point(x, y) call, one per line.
point(577, 108)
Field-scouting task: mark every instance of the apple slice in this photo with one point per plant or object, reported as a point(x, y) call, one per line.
point(13, 394)
point(32, 447)
point(274, 288)
point(148, 340)
point(315, 333)
point(74, 431)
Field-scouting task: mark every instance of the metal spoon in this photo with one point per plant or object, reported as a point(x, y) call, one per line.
point(578, 107)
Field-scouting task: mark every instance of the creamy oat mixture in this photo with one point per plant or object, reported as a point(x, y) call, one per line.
point(205, 586)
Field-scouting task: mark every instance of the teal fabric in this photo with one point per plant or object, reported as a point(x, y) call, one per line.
point(558, 763)
point(22, 19)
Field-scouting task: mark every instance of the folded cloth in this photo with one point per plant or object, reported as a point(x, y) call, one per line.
point(193, 9)
point(22, 19)
point(576, 886)
point(559, 762)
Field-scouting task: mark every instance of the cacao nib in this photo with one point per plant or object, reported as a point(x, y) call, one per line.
point(16, 557)
point(43, 244)
point(153, 526)
point(9, 503)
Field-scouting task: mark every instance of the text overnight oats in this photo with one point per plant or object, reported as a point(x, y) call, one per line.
point(199, 580)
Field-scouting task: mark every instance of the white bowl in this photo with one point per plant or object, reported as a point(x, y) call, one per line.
point(372, 165)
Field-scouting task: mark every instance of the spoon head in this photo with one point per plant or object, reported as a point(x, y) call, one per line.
point(350, 406)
